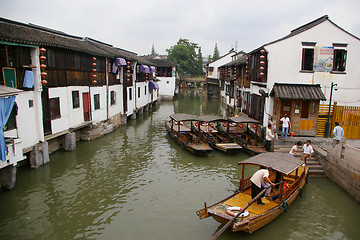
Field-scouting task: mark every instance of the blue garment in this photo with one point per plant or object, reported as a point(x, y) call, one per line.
point(28, 79)
point(6, 105)
point(285, 131)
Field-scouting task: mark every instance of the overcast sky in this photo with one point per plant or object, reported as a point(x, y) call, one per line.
point(136, 25)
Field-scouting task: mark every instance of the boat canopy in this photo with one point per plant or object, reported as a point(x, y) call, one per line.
point(280, 162)
point(184, 117)
point(243, 119)
point(211, 118)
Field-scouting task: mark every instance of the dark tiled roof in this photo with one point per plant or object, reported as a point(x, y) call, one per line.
point(239, 61)
point(298, 91)
point(161, 62)
point(29, 34)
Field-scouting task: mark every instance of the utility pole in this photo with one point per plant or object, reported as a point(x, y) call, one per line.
point(327, 126)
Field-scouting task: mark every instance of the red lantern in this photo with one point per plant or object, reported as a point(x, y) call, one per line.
point(262, 68)
point(262, 57)
point(211, 125)
point(42, 66)
point(247, 63)
point(94, 81)
point(94, 59)
point(197, 124)
point(94, 69)
point(262, 74)
point(241, 125)
point(94, 75)
point(42, 58)
point(43, 74)
point(128, 67)
point(128, 75)
point(42, 50)
point(127, 80)
point(128, 63)
point(262, 51)
point(43, 82)
point(262, 62)
point(224, 124)
point(127, 71)
point(254, 126)
point(93, 64)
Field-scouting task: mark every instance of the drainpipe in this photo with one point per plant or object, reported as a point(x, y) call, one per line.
point(107, 87)
point(37, 93)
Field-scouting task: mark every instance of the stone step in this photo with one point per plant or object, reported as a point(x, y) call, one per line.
point(313, 167)
point(316, 172)
point(312, 162)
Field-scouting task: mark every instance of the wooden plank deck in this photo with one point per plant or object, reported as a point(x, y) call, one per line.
point(242, 199)
point(228, 146)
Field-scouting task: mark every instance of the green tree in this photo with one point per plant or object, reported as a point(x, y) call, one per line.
point(200, 62)
point(186, 55)
point(216, 54)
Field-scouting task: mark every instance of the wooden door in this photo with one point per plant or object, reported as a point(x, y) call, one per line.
point(46, 111)
point(86, 106)
point(125, 98)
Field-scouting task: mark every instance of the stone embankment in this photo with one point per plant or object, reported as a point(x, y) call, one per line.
point(340, 164)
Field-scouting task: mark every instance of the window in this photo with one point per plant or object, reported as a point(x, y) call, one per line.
point(54, 108)
point(77, 61)
point(313, 108)
point(11, 123)
point(130, 94)
point(307, 59)
point(211, 69)
point(75, 99)
point(138, 92)
point(97, 101)
point(339, 60)
point(145, 90)
point(51, 57)
point(112, 98)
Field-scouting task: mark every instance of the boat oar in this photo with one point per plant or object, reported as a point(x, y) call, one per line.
point(216, 235)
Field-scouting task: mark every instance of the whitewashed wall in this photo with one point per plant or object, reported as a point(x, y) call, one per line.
point(62, 123)
point(143, 100)
point(76, 115)
point(99, 114)
point(130, 103)
point(166, 86)
point(118, 106)
point(221, 61)
point(285, 58)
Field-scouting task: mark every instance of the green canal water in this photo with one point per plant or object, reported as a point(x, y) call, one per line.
point(136, 183)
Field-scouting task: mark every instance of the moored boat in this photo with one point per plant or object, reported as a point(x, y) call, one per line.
point(246, 132)
point(182, 134)
point(208, 127)
point(287, 170)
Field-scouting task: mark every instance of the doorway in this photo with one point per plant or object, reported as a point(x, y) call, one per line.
point(86, 106)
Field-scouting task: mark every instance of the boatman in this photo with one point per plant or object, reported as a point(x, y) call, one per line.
point(261, 175)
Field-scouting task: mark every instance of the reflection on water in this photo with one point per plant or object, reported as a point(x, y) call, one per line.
point(136, 183)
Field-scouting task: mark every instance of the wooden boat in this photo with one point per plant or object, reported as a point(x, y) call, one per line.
point(207, 126)
point(287, 168)
point(183, 135)
point(245, 131)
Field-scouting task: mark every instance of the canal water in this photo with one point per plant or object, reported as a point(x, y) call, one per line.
point(136, 183)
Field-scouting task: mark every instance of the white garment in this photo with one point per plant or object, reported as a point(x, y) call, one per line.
point(293, 150)
point(308, 149)
point(269, 136)
point(259, 176)
point(338, 133)
point(285, 121)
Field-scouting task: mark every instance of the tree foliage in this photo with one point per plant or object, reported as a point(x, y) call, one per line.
point(188, 56)
point(216, 54)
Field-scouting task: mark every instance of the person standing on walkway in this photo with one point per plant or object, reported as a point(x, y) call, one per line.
point(268, 138)
point(338, 133)
point(285, 126)
point(308, 151)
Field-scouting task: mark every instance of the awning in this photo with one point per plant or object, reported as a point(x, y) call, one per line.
point(120, 61)
point(153, 85)
point(280, 162)
point(298, 91)
point(242, 119)
point(9, 91)
point(144, 69)
point(211, 118)
point(152, 69)
point(184, 117)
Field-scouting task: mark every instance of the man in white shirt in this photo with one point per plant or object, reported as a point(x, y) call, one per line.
point(285, 126)
point(256, 179)
point(338, 134)
point(308, 151)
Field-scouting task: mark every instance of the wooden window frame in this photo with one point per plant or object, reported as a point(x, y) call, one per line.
point(112, 98)
point(96, 101)
point(75, 99)
point(340, 56)
point(307, 59)
point(54, 105)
